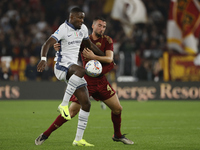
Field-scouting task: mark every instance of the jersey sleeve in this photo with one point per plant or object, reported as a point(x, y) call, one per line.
point(59, 34)
point(108, 43)
point(108, 46)
point(107, 68)
point(85, 32)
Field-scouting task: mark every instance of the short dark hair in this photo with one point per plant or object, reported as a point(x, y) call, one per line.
point(76, 10)
point(99, 18)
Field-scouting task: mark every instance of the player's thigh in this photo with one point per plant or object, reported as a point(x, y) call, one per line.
point(64, 73)
point(60, 72)
point(82, 95)
point(77, 70)
point(114, 104)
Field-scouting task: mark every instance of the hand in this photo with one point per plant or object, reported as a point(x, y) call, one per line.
point(41, 65)
point(56, 46)
point(88, 54)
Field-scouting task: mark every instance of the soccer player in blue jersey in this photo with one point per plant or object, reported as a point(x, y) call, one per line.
point(70, 35)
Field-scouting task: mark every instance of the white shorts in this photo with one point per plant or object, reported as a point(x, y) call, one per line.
point(61, 72)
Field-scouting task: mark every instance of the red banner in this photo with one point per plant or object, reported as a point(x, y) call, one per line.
point(183, 26)
point(180, 68)
point(187, 15)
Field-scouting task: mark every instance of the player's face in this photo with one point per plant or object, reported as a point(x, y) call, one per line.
point(78, 19)
point(99, 27)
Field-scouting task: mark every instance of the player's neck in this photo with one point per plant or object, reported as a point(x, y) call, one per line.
point(94, 37)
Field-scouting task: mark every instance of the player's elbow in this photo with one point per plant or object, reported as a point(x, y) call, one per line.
point(110, 60)
point(45, 45)
point(107, 61)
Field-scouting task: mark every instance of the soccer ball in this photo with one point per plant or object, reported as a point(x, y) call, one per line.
point(93, 68)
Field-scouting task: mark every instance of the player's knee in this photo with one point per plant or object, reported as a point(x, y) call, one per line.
point(117, 111)
point(86, 105)
point(80, 72)
point(82, 83)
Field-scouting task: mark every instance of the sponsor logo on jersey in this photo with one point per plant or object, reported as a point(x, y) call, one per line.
point(74, 42)
point(57, 31)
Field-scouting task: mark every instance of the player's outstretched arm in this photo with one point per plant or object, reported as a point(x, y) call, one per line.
point(93, 47)
point(108, 58)
point(45, 48)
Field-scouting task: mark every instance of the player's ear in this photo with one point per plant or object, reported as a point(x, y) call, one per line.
point(71, 16)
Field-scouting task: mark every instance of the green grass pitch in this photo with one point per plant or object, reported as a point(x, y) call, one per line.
point(152, 125)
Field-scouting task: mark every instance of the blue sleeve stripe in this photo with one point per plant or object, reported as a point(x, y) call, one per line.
point(86, 38)
point(59, 53)
point(54, 38)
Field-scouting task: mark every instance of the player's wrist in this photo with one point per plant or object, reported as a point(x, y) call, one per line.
point(44, 58)
point(94, 57)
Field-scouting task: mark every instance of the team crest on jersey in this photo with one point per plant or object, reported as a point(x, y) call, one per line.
point(80, 34)
point(98, 44)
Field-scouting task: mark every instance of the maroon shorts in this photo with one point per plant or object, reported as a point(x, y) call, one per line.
point(99, 88)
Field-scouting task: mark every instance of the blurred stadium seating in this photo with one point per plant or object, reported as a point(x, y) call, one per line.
point(26, 24)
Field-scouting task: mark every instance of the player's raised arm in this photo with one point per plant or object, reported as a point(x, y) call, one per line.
point(93, 47)
point(45, 48)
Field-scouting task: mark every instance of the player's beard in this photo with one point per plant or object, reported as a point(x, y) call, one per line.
point(98, 35)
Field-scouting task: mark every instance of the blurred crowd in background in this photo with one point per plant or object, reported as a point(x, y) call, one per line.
point(26, 24)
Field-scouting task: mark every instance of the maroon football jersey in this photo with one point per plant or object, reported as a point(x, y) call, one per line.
point(99, 87)
point(104, 43)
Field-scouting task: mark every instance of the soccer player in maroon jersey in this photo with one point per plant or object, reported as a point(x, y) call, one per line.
point(99, 87)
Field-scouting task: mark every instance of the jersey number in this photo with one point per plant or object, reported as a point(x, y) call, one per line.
point(109, 89)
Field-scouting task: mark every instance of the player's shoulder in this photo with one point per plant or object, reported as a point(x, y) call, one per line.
point(63, 26)
point(84, 27)
point(108, 38)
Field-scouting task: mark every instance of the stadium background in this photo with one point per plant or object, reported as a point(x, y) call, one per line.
point(161, 106)
point(144, 64)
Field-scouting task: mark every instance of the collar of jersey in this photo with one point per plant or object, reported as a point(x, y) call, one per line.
point(71, 25)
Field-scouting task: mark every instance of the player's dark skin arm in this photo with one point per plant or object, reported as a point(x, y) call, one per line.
point(45, 48)
point(93, 47)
